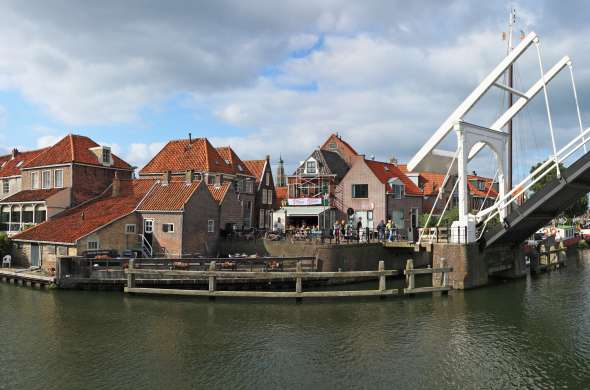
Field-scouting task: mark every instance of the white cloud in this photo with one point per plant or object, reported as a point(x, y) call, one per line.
point(48, 140)
point(138, 154)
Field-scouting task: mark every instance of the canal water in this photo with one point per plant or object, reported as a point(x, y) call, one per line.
point(531, 333)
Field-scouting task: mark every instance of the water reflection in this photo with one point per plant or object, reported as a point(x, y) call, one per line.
point(531, 333)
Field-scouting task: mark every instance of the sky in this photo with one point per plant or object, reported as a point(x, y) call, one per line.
point(277, 77)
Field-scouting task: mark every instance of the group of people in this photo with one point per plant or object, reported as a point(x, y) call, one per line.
point(388, 230)
point(349, 230)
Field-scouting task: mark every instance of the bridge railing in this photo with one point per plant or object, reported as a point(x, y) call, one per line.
point(545, 168)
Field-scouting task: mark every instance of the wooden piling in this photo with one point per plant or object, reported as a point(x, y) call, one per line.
point(299, 280)
point(131, 275)
point(212, 280)
point(382, 280)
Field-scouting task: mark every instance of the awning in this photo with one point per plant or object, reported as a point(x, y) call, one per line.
point(303, 211)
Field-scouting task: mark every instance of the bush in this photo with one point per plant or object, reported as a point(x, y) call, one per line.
point(5, 245)
point(582, 244)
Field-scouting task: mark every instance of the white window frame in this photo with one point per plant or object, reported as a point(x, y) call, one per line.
point(43, 186)
point(249, 186)
point(152, 224)
point(35, 184)
point(353, 192)
point(261, 219)
point(314, 168)
point(264, 196)
point(5, 186)
point(170, 227)
point(397, 194)
point(88, 246)
point(130, 231)
point(210, 226)
point(106, 152)
point(267, 178)
point(269, 197)
point(55, 184)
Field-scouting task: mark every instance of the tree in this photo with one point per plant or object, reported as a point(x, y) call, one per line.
point(4, 245)
point(578, 208)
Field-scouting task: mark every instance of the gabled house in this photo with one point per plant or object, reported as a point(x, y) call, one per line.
point(64, 175)
point(198, 158)
point(153, 217)
point(266, 199)
point(376, 191)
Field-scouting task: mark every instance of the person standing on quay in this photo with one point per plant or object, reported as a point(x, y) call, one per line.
point(381, 230)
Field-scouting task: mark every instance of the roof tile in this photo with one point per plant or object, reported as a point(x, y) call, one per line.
point(385, 171)
point(170, 197)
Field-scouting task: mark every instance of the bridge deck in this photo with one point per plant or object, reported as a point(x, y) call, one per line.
point(555, 197)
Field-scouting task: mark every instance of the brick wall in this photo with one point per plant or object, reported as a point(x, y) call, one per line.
point(89, 182)
point(165, 242)
point(197, 212)
point(113, 236)
point(231, 210)
point(360, 173)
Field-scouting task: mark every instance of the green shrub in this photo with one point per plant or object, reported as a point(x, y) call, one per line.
point(582, 244)
point(5, 244)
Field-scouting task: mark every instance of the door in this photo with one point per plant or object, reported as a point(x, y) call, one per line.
point(148, 230)
point(35, 255)
point(413, 225)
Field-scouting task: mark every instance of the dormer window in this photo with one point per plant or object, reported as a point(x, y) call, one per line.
point(106, 156)
point(333, 146)
point(311, 167)
point(397, 188)
point(19, 164)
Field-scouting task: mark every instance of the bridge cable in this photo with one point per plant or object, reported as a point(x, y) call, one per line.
point(577, 104)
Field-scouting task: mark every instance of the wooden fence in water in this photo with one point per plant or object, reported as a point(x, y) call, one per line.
point(213, 275)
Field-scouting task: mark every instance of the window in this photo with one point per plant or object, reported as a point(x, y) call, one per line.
point(106, 156)
point(5, 186)
point(310, 166)
point(62, 251)
point(269, 197)
point(264, 200)
point(261, 216)
point(46, 179)
point(148, 226)
point(197, 176)
point(211, 226)
point(267, 178)
point(398, 191)
point(210, 179)
point(130, 228)
point(18, 164)
point(249, 186)
point(58, 178)
point(34, 180)
point(168, 227)
point(360, 191)
point(333, 146)
point(92, 245)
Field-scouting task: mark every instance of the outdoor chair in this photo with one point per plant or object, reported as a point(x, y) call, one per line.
point(7, 260)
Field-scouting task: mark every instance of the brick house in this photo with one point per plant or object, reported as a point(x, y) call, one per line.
point(378, 191)
point(175, 218)
point(229, 206)
point(204, 162)
point(266, 199)
point(10, 170)
point(64, 175)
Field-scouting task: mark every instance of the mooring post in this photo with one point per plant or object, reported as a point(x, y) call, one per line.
point(381, 275)
point(410, 282)
point(212, 280)
point(298, 280)
point(130, 274)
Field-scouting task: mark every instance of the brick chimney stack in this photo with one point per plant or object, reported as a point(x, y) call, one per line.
point(188, 176)
point(166, 178)
point(116, 186)
point(14, 153)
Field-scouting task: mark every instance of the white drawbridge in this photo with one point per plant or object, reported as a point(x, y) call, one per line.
point(472, 138)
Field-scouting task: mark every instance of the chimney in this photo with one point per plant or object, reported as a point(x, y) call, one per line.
point(190, 138)
point(166, 178)
point(268, 157)
point(82, 215)
point(188, 176)
point(14, 153)
point(116, 190)
point(393, 160)
point(372, 157)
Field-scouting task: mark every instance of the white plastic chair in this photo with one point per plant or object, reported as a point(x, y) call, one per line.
point(7, 260)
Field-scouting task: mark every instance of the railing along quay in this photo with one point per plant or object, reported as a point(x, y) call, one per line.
point(298, 276)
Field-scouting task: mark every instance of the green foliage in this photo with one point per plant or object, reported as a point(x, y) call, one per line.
point(446, 219)
point(5, 245)
point(578, 208)
point(582, 244)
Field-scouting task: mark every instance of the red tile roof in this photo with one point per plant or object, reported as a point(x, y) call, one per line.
point(75, 223)
point(236, 163)
point(344, 143)
point(32, 195)
point(473, 190)
point(282, 193)
point(73, 149)
point(171, 197)
point(12, 167)
point(385, 171)
point(183, 155)
point(257, 168)
point(218, 191)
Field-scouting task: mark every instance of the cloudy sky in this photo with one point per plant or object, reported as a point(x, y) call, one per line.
point(274, 77)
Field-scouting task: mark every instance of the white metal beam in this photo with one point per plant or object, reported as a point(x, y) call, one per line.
point(510, 89)
point(522, 102)
point(471, 100)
